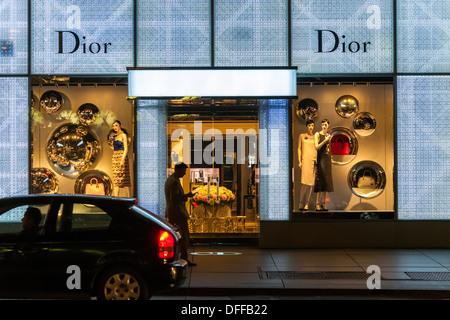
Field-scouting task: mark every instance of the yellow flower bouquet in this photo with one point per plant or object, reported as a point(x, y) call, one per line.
point(226, 197)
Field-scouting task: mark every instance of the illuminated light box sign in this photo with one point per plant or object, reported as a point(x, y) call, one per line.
point(82, 37)
point(249, 83)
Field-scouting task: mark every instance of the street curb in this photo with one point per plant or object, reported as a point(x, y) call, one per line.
point(307, 293)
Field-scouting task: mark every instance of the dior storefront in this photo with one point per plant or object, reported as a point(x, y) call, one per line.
point(303, 123)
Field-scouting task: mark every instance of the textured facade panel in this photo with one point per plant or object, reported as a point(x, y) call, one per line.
point(15, 143)
point(173, 33)
point(273, 157)
point(423, 36)
point(13, 36)
point(151, 154)
point(251, 33)
point(423, 115)
point(342, 36)
point(91, 37)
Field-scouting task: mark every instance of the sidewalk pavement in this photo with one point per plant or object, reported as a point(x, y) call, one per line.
point(252, 271)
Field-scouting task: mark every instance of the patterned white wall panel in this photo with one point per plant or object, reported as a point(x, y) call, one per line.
point(423, 117)
point(173, 33)
point(13, 36)
point(89, 37)
point(423, 36)
point(250, 33)
point(151, 154)
point(348, 36)
point(14, 130)
point(274, 159)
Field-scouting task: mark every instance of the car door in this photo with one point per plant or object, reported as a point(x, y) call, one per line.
point(75, 250)
point(22, 257)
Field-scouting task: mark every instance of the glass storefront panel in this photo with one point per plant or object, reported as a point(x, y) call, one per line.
point(350, 175)
point(78, 145)
point(14, 37)
point(218, 140)
point(423, 147)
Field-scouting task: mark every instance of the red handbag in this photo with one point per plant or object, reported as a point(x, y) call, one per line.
point(340, 145)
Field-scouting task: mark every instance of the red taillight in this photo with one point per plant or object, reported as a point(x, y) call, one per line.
point(166, 245)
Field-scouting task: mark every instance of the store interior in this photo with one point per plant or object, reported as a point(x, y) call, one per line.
point(218, 140)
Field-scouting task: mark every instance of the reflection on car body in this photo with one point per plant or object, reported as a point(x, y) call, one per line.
point(122, 250)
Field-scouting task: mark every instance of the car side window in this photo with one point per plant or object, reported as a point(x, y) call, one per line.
point(11, 220)
point(79, 216)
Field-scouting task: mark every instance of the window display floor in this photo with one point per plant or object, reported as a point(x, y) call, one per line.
point(342, 214)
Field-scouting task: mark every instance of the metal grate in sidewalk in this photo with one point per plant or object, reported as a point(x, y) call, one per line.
point(429, 276)
point(298, 275)
point(302, 275)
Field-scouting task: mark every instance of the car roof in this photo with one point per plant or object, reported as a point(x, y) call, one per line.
point(28, 198)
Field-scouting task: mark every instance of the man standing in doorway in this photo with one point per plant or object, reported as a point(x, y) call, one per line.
point(176, 212)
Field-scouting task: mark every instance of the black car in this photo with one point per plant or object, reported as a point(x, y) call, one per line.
point(107, 247)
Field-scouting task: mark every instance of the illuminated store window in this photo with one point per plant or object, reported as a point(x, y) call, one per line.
point(342, 36)
point(351, 174)
point(13, 36)
point(173, 33)
point(422, 36)
point(250, 33)
point(88, 37)
point(80, 131)
point(14, 130)
point(423, 147)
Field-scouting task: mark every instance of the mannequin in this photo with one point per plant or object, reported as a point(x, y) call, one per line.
point(307, 155)
point(120, 164)
point(324, 179)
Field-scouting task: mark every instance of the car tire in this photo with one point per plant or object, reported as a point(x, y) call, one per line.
point(121, 283)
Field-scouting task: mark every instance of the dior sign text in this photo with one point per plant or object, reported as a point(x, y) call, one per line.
point(330, 37)
point(69, 42)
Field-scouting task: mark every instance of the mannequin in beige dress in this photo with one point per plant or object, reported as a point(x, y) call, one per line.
point(307, 155)
point(120, 163)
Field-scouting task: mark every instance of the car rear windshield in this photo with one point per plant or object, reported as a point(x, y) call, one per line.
point(149, 215)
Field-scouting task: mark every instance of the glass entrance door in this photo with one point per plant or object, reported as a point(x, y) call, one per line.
point(218, 141)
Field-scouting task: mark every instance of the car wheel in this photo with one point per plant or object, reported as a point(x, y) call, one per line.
point(122, 283)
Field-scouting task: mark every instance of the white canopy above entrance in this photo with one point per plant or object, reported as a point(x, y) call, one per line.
point(156, 83)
